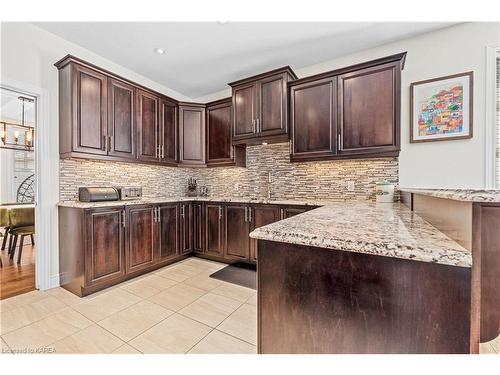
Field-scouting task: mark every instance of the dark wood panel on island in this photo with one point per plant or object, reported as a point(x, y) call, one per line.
point(314, 300)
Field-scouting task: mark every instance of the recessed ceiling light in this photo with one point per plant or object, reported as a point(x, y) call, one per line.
point(159, 51)
point(222, 22)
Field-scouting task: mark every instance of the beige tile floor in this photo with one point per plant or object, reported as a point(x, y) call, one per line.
point(177, 309)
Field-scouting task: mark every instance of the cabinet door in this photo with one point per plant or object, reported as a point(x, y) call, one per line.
point(147, 126)
point(91, 113)
point(287, 212)
point(104, 245)
point(219, 147)
point(192, 135)
point(369, 110)
point(237, 230)
point(260, 216)
point(198, 227)
point(168, 132)
point(121, 122)
point(272, 105)
point(312, 119)
point(213, 229)
point(186, 226)
point(140, 243)
point(244, 111)
point(168, 232)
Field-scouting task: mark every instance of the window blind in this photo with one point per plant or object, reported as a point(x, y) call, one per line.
point(497, 174)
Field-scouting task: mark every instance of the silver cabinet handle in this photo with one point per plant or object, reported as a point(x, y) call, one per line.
point(154, 214)
point(249, 214)
point(162, 151)
point(258, 125)
point(123, 218)
point(158, 214)
point(182, 211)
point(220, 212)
point(246, 214)
point(339, 145)
point(253, 125)
point(281, 214)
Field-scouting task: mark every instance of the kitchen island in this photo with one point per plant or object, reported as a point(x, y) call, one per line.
point(363, 278)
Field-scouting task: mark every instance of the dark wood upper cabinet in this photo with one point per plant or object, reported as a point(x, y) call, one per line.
point(348, 113)
point(167, 245)
point(121, 121)
point(369, 107)
point(313, 119)
point(192, 134)
point(168, 128)
point(104, 251)
point(147, 126)
point(214, 225)
point(141, 237)
point(260, 106)
point(220, 150)
point(236, 236)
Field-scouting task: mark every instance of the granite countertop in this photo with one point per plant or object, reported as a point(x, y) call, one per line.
point(383, 229)
point(155, 200)
point(466, 195)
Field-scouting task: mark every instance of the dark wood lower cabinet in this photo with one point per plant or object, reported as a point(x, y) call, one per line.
point(141, 232)
point(237, 240)
point(262, 215)
point(214, 230)
point(186, 228)
point(104, 235)
point(168, 232)
point(198, 227)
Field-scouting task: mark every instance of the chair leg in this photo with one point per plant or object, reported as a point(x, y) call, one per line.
point(32, 239)
point(20, 251)
point(12, 250)
point(6, 234)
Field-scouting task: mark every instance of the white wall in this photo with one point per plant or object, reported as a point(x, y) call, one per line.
point(461, 48)
point(28, 54)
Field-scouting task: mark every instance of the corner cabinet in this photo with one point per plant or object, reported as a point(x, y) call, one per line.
point(219, 148)
point(260, 107)
point(348, 113)
point(192, 134)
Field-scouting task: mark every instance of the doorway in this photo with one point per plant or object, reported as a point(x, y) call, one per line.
point(18, 192)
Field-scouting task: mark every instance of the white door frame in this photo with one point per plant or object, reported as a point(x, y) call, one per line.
point(492, 52)
point(44, 183)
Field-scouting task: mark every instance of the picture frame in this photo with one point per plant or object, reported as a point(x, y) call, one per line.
point(441, 109)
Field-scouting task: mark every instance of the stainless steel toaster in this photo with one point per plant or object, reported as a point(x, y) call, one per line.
point(129, 192)
point(98, 194)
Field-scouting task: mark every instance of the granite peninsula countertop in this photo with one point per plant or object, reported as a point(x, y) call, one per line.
point(156, 200)
point(466, 195)
point(382, 229)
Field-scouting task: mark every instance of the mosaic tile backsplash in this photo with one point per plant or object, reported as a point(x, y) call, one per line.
point(311, 180)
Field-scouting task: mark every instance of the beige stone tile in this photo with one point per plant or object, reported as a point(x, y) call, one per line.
point(486, 348)
point(176, 334)
point(177, 297)
point(242, 324)
point(30, 313)
point(252, 300)
point(65, 296)
point(210, 309)
point(148, 286)
point(4, 347)
point(204, 265)
point(203, 281)
point(186, 268)
point(173, 274)
point(217, 342)
point(106, 304)
point(21, 300)
point(91, 340)
point(126, 349)
point(233, 291)
point(132, 321)
point(46, 331)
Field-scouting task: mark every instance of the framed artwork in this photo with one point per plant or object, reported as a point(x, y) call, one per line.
point(441, 108)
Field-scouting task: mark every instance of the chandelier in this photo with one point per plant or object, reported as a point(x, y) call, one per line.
point(17, 136)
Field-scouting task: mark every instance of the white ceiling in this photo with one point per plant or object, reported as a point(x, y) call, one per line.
point(203, 57)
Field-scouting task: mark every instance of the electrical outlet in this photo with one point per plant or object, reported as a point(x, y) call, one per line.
point(350, 185)
point(236, 186)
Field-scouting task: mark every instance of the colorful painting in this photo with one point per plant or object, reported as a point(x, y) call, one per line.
point(441, 108)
